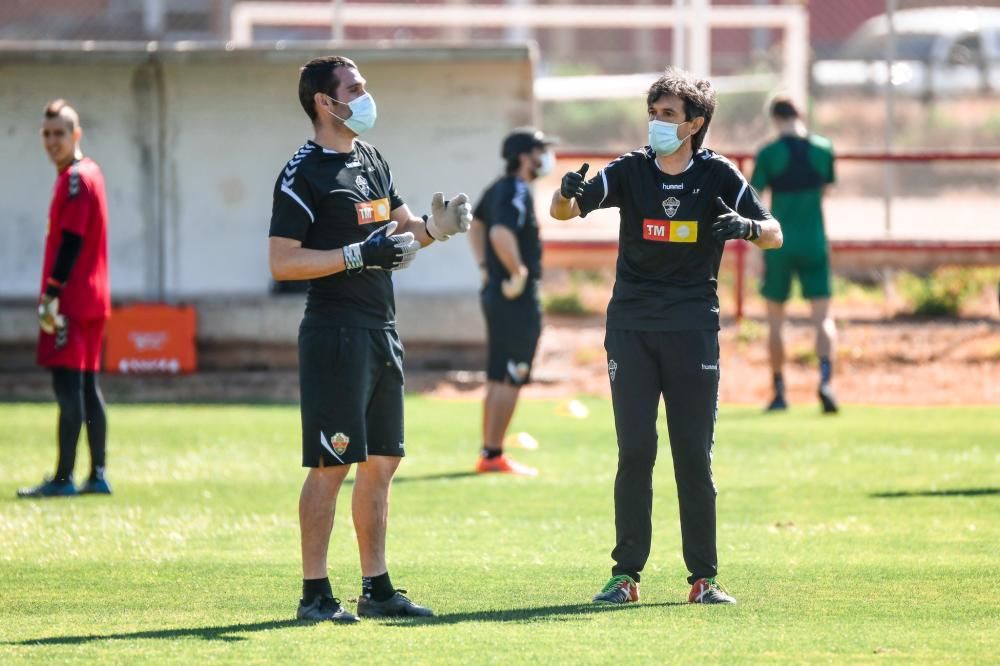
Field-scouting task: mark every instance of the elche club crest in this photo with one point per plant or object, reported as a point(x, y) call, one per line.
point(362, 184)
point(612, 369)
point(670, 206)
point(339, 442)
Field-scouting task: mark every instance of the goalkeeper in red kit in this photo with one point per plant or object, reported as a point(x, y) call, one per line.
point(74, 302)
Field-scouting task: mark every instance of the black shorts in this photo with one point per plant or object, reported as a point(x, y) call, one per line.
point(351, 385)
point(512, 329)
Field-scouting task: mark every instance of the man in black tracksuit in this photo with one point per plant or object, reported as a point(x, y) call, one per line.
point(505, 240)
point(679, 204)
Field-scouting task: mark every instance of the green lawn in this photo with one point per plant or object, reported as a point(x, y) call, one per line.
point(867, 537)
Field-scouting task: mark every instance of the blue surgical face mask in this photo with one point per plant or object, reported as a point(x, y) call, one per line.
point(363, 113)
point(546, 163)
point(663, 137)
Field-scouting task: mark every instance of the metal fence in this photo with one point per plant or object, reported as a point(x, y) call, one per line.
point(591, 73)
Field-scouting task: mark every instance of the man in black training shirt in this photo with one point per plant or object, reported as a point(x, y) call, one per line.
point(338, 222)
point(505, 240)
point(679, 204)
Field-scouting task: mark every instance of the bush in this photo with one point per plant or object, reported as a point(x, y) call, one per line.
point(565, 304)
point(942, 293)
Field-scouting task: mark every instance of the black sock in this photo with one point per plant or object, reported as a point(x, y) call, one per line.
point(490, 454)
point(316, 587)
point(68, 386)
point(779, 384)
point(97, 425)
point(377, 588)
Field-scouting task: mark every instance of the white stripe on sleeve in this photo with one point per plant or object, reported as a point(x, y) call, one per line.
point(287, 190)
point(740, 195)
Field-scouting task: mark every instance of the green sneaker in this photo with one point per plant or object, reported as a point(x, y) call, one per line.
point(707, 591)
point(620, 589)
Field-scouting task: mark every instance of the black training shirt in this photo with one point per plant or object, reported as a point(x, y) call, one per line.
point(329, 200)
point(668, 260)
point(508, 202)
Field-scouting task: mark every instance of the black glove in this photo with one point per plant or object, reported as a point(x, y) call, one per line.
point(730, 225)
point(572, 183)
point(381, 250)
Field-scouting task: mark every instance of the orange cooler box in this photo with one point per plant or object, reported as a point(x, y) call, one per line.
point(151, 338)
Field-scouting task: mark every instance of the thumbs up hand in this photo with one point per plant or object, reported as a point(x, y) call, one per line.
point(572, 183)
point(730, 225)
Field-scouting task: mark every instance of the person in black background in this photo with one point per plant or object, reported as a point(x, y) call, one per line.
point(338, 222)
point(679, 204)
point(505, 240)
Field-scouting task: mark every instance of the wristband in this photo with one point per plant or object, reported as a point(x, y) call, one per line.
point(428, 231)
point(352, 257)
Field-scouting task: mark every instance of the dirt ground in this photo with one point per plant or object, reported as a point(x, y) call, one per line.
point(887, 361)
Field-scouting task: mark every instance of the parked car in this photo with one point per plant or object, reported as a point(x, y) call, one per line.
point(939, 52)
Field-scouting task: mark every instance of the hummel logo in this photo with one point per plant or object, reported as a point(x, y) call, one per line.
point(293, 165)
point(709, 366)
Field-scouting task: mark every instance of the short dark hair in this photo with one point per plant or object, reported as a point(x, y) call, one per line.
point(784, 108)
point(697, 94)
point(60, 108)
point(319, 76)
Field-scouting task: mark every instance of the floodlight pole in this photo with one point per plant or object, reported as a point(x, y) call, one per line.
point(888, 286)
point(153, 16)
point(337, 20)
point(701, 39)
point(680, 48)
point(890, 110)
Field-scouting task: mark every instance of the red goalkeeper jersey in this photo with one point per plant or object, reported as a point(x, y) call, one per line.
point(79, 206)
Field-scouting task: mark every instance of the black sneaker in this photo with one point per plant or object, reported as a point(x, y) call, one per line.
point(325, 609)
point(826, 397)
point(398, 605)
point(49, 488)
point(707, 591)
point(95, 486)
point(778, 404)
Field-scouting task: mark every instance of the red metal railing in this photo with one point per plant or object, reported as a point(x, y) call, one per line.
point(740, 249)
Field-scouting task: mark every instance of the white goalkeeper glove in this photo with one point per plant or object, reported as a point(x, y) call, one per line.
point(448, 218)
point(49, 319)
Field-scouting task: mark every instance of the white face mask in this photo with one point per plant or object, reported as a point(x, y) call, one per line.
point(663, 137)
point(363, 113)
point(548, 163)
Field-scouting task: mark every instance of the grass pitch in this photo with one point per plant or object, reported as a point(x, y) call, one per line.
point(868, 537)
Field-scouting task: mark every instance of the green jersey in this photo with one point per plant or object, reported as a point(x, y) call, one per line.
point(796, 168)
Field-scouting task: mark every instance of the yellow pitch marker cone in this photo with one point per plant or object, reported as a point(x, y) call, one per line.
point(520, 440)
point(574, 409)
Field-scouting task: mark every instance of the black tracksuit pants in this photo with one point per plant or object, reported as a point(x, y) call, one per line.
point(683, 366)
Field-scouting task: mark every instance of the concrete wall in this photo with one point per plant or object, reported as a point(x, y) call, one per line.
point(192, 139)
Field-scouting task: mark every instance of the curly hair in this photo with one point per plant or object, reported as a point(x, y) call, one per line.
point(697, 94)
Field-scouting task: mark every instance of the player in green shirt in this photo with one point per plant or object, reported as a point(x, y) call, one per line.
point(797, 166)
